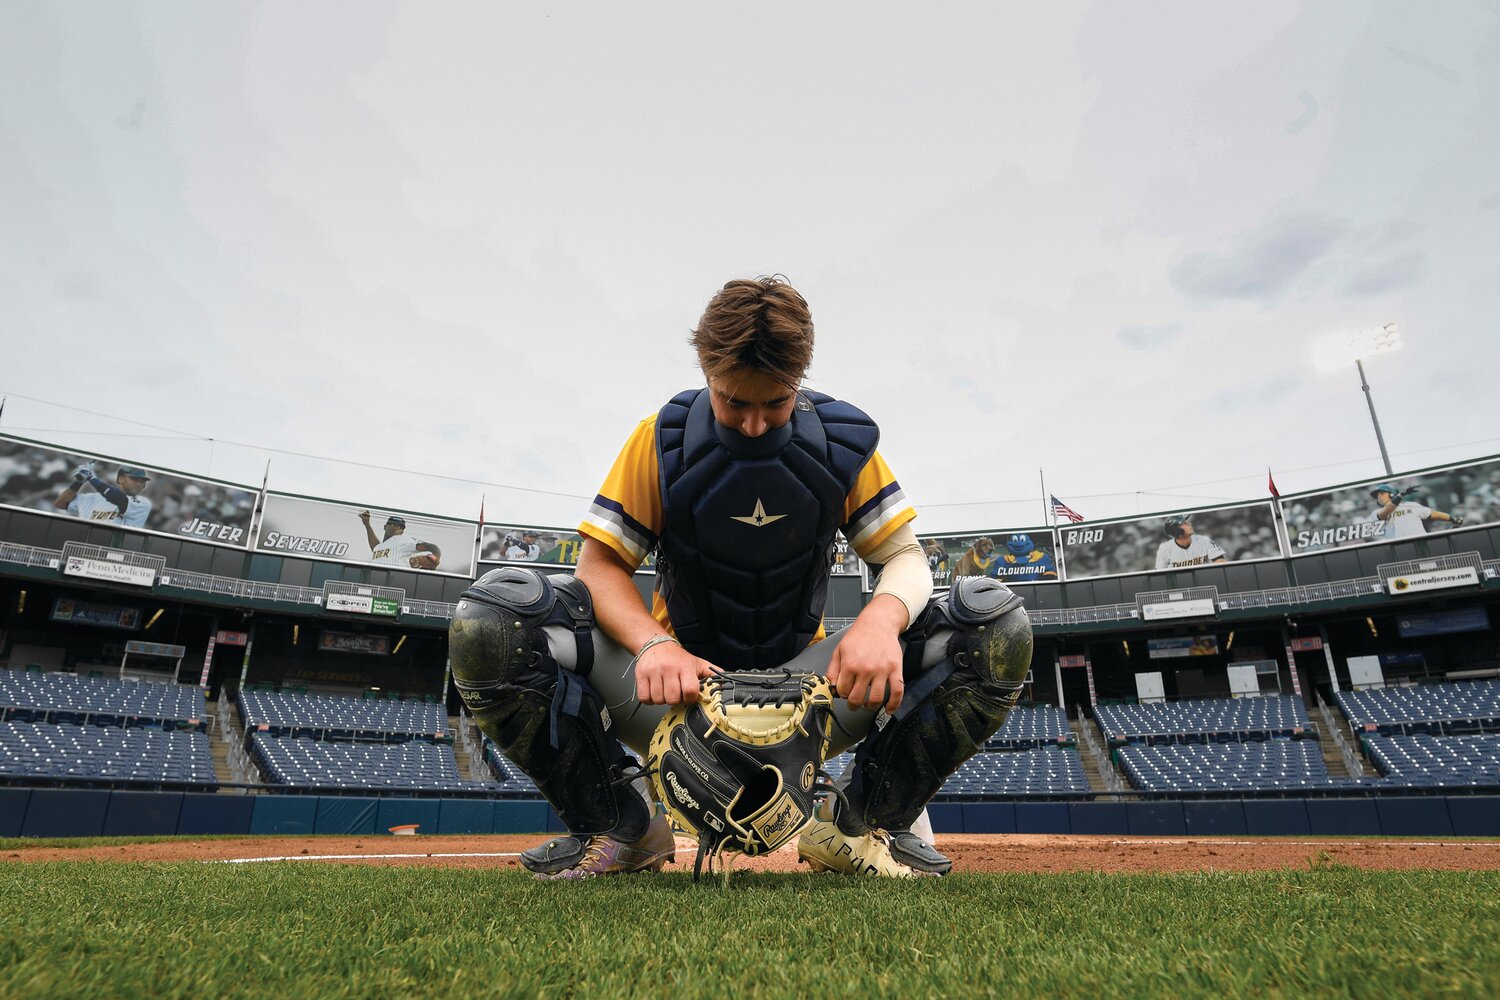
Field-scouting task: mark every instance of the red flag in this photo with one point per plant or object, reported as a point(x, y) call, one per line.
point(1271, 482)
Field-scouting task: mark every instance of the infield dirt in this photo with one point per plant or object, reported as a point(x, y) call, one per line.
point(996, 853)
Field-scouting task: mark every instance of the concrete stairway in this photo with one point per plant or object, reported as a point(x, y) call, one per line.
point(227, 733)
point(461, 755)
point(1333, 758)
point(1089, 752)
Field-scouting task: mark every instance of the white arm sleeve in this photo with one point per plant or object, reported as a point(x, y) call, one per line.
point(906, 575)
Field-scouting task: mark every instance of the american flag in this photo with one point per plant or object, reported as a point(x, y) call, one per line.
point(1061, 510)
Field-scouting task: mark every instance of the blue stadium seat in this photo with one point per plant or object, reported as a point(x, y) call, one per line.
point(1445, 707)
point(1201, 720)
point(283, 713)
point(57, 697)
point(1039, 771)
point(105, 753)
point(1277, 764)
point(1032, 726)
point(308, 763)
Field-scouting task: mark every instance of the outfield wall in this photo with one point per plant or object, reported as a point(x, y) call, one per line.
point(89, 812)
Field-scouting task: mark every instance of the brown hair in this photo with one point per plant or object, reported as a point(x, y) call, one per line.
point(762, 324)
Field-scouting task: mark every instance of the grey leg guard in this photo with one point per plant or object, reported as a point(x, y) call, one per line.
point(949, 710)
point(543, 714)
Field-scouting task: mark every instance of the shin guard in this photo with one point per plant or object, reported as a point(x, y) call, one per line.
point(951, 708)
point(542, 714)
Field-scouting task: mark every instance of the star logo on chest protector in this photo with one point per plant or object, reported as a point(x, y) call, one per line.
point(758, 518)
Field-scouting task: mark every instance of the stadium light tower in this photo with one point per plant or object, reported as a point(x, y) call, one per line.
point(1333, 352)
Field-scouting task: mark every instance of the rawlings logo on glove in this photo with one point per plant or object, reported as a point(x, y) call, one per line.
point(740, 768)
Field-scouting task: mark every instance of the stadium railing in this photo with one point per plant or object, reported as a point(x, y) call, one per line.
point(1365, 586)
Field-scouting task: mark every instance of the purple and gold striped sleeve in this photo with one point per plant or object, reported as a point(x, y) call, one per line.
point(875, 507)
point(626, 515)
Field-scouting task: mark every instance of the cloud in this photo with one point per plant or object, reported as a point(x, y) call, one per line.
point(1437, 69)
point(1390, 275)
point(1148, 338)
point(1307, 117)
point(80, 286)
point(1262, 265)
point(1255, 396)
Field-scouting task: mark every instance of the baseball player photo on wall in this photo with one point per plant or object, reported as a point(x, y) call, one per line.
point(1182, 540)
point(338, 532)
point(122, 494)
point(1398, 508)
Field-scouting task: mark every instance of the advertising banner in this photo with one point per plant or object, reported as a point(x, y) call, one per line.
point(1406, 506)
point(1166, 649)
point(1443, 622)
point(1012, 555)
point(1437, 579)
point(1170, 541)
point(353, 642)
point(110, 572)
point(95, 613)
point(379, 536)
point(122, 494)
point(361, 604)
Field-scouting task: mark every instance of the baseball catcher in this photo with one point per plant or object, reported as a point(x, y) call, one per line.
point(740, 489)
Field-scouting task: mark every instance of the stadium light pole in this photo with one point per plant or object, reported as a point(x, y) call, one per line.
point(1332, 353)
point(1370, 401)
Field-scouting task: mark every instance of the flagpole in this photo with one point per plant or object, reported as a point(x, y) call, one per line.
point(1059, 556)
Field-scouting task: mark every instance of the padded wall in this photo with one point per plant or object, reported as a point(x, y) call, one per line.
point(284, 814)
point(346, 815)
point(466, 816)
point(66, 812)
point(142, 814)
point(204, 813)
point(88, 812)
point(1098, 817)
point(400, 812)
point(13, 803)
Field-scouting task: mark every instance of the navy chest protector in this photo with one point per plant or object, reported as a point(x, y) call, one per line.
point(749, 524)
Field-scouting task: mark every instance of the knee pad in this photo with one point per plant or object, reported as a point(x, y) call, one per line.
point(950, 709)
point(992, 633)
point(496, 638)
point(536, 702)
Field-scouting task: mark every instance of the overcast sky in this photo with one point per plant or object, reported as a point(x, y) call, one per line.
point(470, 239)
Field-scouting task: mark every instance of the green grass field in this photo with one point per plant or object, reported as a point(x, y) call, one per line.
point(292, 930)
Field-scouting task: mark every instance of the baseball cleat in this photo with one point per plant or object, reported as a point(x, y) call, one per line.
point(919, 854)
point(826, 848)
point(553, 856)
point(605, 856)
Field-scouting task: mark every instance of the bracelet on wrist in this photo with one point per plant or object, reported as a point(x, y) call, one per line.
point(655, 640)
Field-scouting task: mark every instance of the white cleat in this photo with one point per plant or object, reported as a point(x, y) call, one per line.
point(826, 848)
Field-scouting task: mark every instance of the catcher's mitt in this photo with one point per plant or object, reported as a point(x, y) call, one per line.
point(742, 766)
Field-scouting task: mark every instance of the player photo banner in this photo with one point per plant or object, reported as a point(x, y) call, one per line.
point(515, 543)
point(529, 544)
point(1402, 507)
point(119, 493)
point(1169, 541)
point(379, 536)
point(1012, 555)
